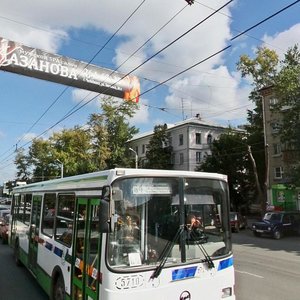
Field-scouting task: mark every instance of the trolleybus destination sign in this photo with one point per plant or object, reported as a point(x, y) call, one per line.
point(24, 60)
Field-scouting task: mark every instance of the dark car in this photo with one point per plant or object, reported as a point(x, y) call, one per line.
point(278, 224)
point(237, 221)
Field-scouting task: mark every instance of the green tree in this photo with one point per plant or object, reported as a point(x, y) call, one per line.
point(99, 145)
point(287, 90)
point(72, 147)
point(119, 131)
point(22, 165)
point(263, 69)
point(159, 150)
point(99, 141)
point(40, 157)
point(229, 156)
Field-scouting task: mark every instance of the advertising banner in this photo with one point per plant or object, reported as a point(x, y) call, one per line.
point(20, 59)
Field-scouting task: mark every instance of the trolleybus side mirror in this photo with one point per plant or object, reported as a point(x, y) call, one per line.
point(104, 219)
point(104, 211)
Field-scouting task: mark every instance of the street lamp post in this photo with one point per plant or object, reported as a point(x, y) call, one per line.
point(136, 157)
point(61, 168)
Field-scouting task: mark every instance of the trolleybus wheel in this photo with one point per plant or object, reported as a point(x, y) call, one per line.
point(17, 254)
point(59, 292)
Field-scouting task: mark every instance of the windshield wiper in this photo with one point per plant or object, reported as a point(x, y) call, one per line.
point(207, 259)
point(166, 252)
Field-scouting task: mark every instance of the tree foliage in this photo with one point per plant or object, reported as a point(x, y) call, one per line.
point(99, 145)
point(229, 156)
point(263, 69)
point(267, 70)
point(120, 131)
point(159, 150)
point(287, 90)
point(22, 164)
point(72, 148)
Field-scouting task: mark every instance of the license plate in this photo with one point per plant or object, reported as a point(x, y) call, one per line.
point(259, 230)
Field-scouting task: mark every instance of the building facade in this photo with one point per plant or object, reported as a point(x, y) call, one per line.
point(190, 141)
point(281, 191)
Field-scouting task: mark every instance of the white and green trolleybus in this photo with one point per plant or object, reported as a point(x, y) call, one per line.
point(126, 234)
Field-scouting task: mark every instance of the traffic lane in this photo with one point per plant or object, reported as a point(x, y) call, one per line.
point(266, 268)
point(17, 282)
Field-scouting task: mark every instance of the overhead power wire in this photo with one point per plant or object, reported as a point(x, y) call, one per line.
point(181, 36)
point(161, 50)
point(150, 38)
point(235, 37)
point(248, 29)
point(264, 20)
point(89, 62)
point(237, 30)
point(155, 54)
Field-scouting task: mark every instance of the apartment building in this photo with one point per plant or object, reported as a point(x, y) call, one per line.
point(280, 159)
point(190, 140)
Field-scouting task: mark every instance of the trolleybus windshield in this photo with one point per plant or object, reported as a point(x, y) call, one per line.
point(148, 213)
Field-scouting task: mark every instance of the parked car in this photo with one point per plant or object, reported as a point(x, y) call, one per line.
point(277, 224)
point(4, 225)
point(237, 221)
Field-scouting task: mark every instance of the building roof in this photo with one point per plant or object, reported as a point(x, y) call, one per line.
point(191, 121)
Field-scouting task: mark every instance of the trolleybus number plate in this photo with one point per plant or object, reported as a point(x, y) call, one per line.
point(129, 282)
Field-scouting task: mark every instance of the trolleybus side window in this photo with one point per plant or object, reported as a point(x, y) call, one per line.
point(48, 214)
point(65, 219)
point(27, 208)
point(22, 208)
point(16, 206)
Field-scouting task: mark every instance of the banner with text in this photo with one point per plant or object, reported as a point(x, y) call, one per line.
point(20, 59)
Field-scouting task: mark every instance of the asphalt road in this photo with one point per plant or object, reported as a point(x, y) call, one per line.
point(16, 283)
point(265, 269)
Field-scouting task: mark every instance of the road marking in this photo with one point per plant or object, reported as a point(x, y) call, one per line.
point(251, 274)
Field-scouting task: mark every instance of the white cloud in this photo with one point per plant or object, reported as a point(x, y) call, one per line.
point(28, 137)
point(141, 116)
point(281, 41)
point(209, 88)
point(83, 96)
point(213, 94)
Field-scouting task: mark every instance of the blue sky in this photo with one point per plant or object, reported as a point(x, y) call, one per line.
point(79, 29)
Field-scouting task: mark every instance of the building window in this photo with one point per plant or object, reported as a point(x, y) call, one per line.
point(278, 173)
point(209, 139)
point(180, 139)
point(173, 158)
point(137, 149)
point(198, 157)
point(198, 138)
point(181, 158)
point(143, 148)
point(277, 149)
point(275, 127)
point(273, 102)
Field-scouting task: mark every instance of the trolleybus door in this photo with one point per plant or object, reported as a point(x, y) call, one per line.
point(34, 233)
point(86, 253)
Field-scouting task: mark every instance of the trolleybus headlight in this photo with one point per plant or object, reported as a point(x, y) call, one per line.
point(226, 292)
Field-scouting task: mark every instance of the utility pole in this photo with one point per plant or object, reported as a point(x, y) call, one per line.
point(136, 157)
